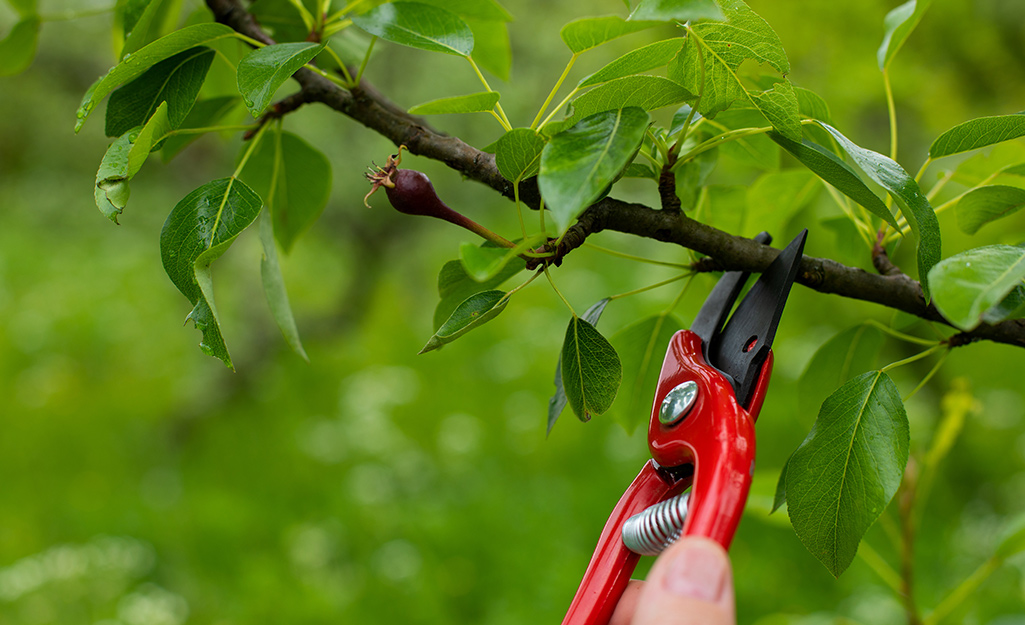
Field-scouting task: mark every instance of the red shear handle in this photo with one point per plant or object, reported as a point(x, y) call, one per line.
point(612, 563)
point(716, 436)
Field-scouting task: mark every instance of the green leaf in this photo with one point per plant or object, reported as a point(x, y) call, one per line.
point(123, 160)
point(418, 26)
point(712, 70)
point(274, 288)
point(591, 370)
point(978, 133)
point(641, 346)
point(18, 48)
point(985, 204)
point(198, 230)
point(644, 92)
point(780, 107)
point(111, 191)
point(1011, 307)
point(811, 104)
point(294, 178)
point(846, 471)
point(676, 10)
point(176, 80)
point(913, 205)
point(518, 154)
point(473, 103)
point(473, 312)
point(204, 113)
point(282, 19)
point(557, 402)
point(491, 47)
point(590, 32)
point(965, 286)
point(134, 65)
point(780, 497)
point(475, 9)
point(263, 70)
point(482, 263)
point(757, 150)
point(847, 354)
point(775, 197)
point(578, 164)
point(24, 8)
point(898, 25)
point(455, 285)
point(640, 60)
point(139, 26)
point(836, 172)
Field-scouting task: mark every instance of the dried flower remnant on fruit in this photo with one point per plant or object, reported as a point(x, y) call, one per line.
point(383, 176)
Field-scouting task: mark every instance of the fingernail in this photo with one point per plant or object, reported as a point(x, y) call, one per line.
point(698, 572)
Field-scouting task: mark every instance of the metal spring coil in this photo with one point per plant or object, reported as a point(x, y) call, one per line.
point(650, 531)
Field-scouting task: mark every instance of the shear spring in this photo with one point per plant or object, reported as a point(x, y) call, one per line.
point(650, 531)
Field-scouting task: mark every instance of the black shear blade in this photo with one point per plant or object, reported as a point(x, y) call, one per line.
point(741, 347)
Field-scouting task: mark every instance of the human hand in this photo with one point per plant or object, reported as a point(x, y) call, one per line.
point(690, 584)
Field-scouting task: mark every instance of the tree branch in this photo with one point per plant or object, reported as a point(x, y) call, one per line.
point(370, 108)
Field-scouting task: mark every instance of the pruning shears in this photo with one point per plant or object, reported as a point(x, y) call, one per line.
point(701, 434)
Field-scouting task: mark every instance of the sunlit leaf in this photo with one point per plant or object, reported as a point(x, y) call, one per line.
point(472, 103)
point(645, 92)
point(676, 10)
point(176, 80)
point(483, 263)
point(846, 471)
point(836, 172)
point(294, 178)
point(263, 70)
point(811, 104)
point(476, 9)
point(112, 190)
point(985, 204)
point(590, 32)
point(844, 356)
point(24, 8)
point(641, 347)
point(640, 60)
point(1012, 542)
point(418, 26)
point(274, 288)
point(491, 47)
point(518, 154)
point(780, 107)
point(18, 48)
point(133, 65)
point(139, 26)
point(199, 230)
point(578, 164)
point(473, 312)
point(978, 133)
point(885, 172)
point(557, 402)
point(898, 25)
point(968, 284)
point(147, 140)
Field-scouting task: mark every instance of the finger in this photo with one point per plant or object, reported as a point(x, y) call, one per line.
point(627, 604)
point(690, 584)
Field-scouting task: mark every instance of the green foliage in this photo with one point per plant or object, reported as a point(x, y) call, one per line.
point(274, 288)
point(418, 26)
point(263, 70)
point(18, 48)
point(473, 312)
point(455, 285)
point(849, 353)
point(471, 103)
point(898, 25)
point(557, 402)
point(642, 59)
point(198, 231)
point(294, 179)
point(590, 32)
point(676, 10)
point(591, 370)
point(982, 205)
point(578, 164)
point(518, 154)
point(640, 346)
point(844, 474)
point(978, 133)
point(970, 284)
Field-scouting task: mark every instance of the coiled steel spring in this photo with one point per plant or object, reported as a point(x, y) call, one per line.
point(650, 531)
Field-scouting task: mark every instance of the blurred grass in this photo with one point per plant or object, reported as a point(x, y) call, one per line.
point(143, 483)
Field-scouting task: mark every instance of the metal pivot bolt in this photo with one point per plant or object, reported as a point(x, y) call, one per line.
point(678, 403)
point(650, 531)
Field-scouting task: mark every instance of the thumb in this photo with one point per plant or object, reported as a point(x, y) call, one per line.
point(690, 584)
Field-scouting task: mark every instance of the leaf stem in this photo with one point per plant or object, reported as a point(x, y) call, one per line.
point(718, 140)
point(497, 111)
point(963, 591)
point(551, 94)
point(253, 42)
point(880, 566)
point(891, 109)
point(366, 59)
point(900, 335)
point(921, 170)
point(640, 259)
point(911, 359)
point(199, 131)
point(558, 292)
point(513, 290)
point(928, 376)
point(349, 7)
point(650, 287)
point(341, 65)
point(304, 13)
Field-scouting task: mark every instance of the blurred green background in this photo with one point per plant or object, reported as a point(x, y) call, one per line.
point(141, 482)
